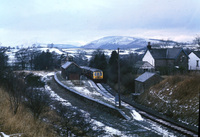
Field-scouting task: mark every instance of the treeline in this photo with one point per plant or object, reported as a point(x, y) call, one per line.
point(109, 65)
point(30, 59)
point(22, 88)
point(33, 59)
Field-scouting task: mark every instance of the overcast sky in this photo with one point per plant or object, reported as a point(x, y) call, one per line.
point(82, 21)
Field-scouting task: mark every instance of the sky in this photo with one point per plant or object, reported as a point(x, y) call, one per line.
point(24, 22)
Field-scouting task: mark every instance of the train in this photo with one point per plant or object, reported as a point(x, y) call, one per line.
point(92, 73)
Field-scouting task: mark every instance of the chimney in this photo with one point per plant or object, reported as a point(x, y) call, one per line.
point(67, 58)
point(149, 46)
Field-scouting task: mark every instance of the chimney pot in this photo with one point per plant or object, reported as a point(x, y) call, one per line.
point(149, 46)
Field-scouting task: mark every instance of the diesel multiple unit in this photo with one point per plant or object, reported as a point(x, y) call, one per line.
point(92, 73)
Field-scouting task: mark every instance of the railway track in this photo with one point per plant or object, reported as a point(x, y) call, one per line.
point(183, 129)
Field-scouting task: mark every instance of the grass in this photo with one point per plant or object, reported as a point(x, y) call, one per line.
point(22, 122)
point(176, 96)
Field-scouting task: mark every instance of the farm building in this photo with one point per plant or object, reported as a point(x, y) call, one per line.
point(70, 71)
point(167, 60)
point(145, 81)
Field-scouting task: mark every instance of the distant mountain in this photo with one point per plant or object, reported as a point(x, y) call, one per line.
point(123, 42)
point(114, 42)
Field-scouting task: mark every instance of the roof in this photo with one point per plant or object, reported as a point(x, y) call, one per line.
point(143, 65)
point(67, 64)
point(168, 53)
point(197, 53)
point(145, 76)
point(89, 68)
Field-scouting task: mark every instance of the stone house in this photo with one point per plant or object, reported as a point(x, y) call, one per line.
point(167, 60)
point(194, 61)
point(145, 81)
point(70, 71)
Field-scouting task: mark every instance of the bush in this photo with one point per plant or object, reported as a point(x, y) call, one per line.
point(37, 100)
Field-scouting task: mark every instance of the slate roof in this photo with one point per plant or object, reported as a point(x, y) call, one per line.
point(143, 65)
point(145, 76)
point(168, 53)
point(197, 53)
point(89, 68)
point(67, 64)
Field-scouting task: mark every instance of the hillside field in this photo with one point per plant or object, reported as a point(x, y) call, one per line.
point(175, 96)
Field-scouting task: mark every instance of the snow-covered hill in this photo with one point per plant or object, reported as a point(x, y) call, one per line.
point(114, 42)
point(123, 42)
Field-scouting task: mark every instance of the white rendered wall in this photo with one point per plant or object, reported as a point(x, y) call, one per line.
point(148, 57)
point(192, 62)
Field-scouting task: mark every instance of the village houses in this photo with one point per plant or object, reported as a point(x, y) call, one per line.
point(167, 60)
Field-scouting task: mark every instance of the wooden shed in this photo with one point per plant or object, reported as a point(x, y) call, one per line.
point(70, 71)
point(145, 81)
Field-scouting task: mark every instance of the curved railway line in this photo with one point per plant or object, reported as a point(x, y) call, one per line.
point(149, 114)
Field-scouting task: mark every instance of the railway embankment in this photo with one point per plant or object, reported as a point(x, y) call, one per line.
point(174, 100)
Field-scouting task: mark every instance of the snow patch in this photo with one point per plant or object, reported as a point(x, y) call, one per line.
point(109, 130)
point(56, 97)
point(4, 135)
point(136, 115)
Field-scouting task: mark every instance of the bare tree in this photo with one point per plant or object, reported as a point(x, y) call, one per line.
point(3, 62)
point(15, 88)
point(37, 100)
point(197, 41)
point(22, 57)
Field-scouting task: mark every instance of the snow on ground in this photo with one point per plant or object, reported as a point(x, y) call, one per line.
point(56, 97)
point(109, 130)
point(136, 115)
point(90, 89)
point(52, 50)
point(2, 134)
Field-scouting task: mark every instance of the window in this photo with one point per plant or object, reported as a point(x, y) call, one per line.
point(182, 58)
point(197, 63)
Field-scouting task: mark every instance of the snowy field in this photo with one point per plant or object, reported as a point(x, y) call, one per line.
point(107, 52)
point(71, 52)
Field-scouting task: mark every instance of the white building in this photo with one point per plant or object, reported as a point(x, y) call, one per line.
point(194, 60)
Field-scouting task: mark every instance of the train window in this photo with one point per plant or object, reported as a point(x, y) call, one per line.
point(97, 73)
point(100, 73)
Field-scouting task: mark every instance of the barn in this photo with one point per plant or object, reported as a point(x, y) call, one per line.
point(70, 71)
point(145, 81)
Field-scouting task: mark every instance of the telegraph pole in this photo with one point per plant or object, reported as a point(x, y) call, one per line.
point(119, 98)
